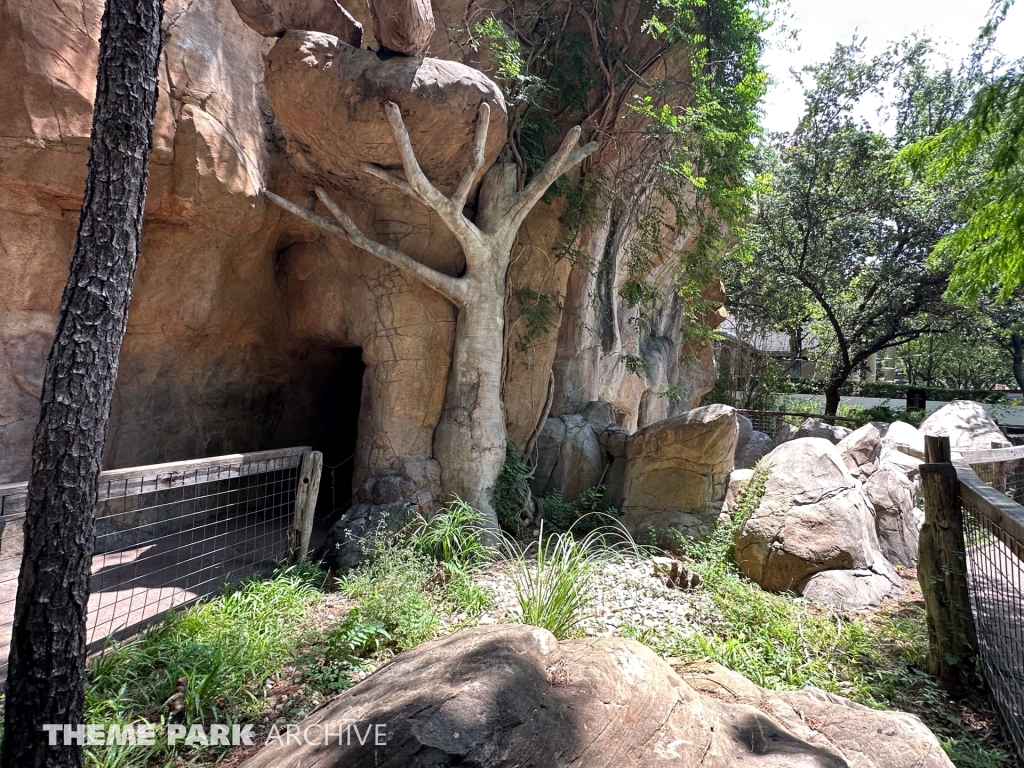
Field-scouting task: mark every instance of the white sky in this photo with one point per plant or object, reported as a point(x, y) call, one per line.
point(952, 24)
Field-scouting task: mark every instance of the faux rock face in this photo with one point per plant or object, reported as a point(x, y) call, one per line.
point(244, 319)
point(677, 471)
point(328, 98)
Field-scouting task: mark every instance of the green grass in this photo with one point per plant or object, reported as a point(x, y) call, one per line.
point(203, 665)
point(553, 577)
point(414, 579)
point(783, 643)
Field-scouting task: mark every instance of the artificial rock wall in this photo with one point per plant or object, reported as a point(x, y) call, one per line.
point(245, 321)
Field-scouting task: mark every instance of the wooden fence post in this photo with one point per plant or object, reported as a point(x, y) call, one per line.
point(305, 505)
point(942, 573)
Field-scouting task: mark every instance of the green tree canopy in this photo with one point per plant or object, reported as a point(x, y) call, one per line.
point(843, 229)
point(988, 250)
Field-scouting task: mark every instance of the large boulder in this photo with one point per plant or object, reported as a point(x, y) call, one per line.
point(403, 26)
point(858, 590)
point(816, 428)
point(812, 517)
point(272, 18)
point(507, 696)
point(859, 449)
point(677, 471)
point(893, 459)
point(902, 437)
point(897, 520)
point(751, 445)
point(967, 425)
point(753, 450)
point(329, 99)
point(785, 433)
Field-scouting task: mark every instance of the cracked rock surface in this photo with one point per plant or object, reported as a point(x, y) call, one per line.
point(503, 696)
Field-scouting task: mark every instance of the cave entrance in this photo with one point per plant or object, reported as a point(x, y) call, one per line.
point(322, 411)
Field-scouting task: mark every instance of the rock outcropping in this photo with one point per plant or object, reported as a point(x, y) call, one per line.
point(507, 696)
point(677, 471)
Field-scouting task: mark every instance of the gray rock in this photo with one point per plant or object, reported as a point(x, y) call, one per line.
point(751, 452)
point(746, 427)
point(967, 425)
point(570, 456)
point(897, 522)
point(812, 517)
point(599, 415)
point(816, 428)
point(786, 433)
point(860, 447)
point(858, 590)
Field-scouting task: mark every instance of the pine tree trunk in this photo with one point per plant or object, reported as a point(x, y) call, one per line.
point(46, 675)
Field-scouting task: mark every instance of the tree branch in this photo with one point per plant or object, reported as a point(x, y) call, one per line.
point(564, 159)
point(419, 185)
point(450, 287)
point(476, 157)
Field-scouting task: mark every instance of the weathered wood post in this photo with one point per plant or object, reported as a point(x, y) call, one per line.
point(305, 505)
point(942, 573)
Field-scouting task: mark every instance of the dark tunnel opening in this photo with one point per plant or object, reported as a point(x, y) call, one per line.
point(323, 413)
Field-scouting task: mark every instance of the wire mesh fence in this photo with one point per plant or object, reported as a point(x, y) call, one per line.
point(994, 542)
point(770, 422)
point(167, 536)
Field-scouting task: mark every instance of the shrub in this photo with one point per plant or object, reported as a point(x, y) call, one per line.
point(512, 491)
point(583, 514)
point(454, 536)
point(392, 590)
point(553, 582)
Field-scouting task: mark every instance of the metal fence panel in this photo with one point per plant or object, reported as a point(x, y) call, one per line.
point(995, 575)
point(167, 536)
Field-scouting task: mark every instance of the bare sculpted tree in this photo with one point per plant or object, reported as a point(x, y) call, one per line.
point(46, 679)
point(469, 442)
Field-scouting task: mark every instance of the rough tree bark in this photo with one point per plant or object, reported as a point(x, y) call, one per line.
point(469, 442)
point(46, 677)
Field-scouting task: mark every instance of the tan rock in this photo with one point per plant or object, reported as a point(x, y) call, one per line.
point(403, 26)
point(677, 471)
point(505, 696)
point(328, 98)
point(902, 437)
point(272, 18)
